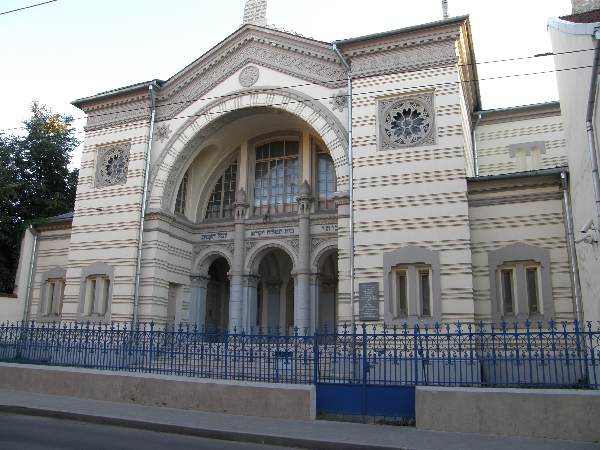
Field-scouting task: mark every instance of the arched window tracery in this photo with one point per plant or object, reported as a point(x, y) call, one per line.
point(276, 177)
point(325, 180)
point(222, 197)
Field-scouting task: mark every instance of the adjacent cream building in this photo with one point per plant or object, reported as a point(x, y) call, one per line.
point(223, 196)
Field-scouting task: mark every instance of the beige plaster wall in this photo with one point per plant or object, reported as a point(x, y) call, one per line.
point(525, 210)
point(495, 137)
point(413, 196)
point(52, 251)
point(573, 88)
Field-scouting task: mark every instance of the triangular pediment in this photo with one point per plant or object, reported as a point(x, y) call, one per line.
point(303, 58)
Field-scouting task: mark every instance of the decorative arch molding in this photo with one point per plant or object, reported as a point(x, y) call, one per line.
point(209, 118)
point(207, 256)
point(255, 255)
point(318, 253)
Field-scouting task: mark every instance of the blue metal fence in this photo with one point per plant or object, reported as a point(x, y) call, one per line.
point(551, 355)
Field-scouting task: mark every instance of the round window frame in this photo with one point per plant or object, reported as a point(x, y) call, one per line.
point(388, 142)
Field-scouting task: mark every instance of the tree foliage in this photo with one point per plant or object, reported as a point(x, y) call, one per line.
point(35, 181)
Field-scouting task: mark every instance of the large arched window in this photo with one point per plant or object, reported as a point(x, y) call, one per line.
point(276, 178)
point(325, 180)
point(220, 203)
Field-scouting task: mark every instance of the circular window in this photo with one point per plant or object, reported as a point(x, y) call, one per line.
point(113, 166)
point(407, 122)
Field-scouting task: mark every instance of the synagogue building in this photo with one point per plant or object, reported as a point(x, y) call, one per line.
point(282, 181)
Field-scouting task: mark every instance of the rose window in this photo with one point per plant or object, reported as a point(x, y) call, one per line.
point(112, 166)
point(406, 123)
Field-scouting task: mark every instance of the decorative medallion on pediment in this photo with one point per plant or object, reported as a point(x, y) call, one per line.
point(249, 76)
point(406, 121)
point(111, 165)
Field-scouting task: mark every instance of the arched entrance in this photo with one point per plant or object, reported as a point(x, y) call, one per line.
point(275, 292)
point(328, 285)
point(217, 296)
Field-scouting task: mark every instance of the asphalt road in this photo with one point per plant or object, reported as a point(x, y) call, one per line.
point(32, 432)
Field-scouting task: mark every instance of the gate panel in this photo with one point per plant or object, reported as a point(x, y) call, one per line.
point(366, 400)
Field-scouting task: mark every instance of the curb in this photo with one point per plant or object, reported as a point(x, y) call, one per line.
point(235, 436)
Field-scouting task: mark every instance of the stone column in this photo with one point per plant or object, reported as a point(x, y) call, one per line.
point(250, 310)
point(197, 307)
point(237, 270)
point(302, 301)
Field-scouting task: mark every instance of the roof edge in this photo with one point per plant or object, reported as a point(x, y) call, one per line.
point(409, 29)
point(119, 91)
point(527, 174)
point(568, 27)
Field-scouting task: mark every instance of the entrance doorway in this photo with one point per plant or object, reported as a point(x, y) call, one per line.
point(217, 296)
point(276, 290)
point(328, 285)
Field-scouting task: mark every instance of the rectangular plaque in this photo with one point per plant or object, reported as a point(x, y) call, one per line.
point(368, 301)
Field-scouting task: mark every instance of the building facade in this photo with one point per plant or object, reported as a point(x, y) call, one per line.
point(235, 174)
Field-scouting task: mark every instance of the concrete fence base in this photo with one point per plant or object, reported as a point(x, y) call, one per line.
point(285, 401)
point(543, 413)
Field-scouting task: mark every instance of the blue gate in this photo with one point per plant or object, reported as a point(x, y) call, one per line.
point(366, 400)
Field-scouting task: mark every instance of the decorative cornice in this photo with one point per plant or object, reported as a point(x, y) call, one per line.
point(206, 74)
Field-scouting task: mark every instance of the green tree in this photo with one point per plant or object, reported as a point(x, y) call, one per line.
point(35, 181)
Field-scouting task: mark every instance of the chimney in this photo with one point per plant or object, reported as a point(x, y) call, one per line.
point(255, 12)
point(582, 6)
point(445, 8)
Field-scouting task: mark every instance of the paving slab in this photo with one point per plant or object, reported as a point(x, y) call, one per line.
point(304, 434)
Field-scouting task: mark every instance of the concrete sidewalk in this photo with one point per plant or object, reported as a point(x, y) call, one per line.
point(304, 434)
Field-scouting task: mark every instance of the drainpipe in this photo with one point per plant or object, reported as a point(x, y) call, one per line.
point(475, 154)
point(138, 269)
point(350, 176)
point(574, 265)
point(31, 270)
point(589, 125)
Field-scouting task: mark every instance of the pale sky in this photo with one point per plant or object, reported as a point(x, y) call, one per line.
point(70, 49)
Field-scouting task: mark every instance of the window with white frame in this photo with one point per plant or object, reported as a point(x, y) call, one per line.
point(411, 291)
point(526, 299)
point(52, 297)
point(96, 292)
point(52, 289)
point(520, 283)
point(97, 289)
point(412, 285)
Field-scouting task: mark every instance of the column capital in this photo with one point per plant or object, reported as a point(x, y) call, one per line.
point(250, 281)
point(199, 281)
